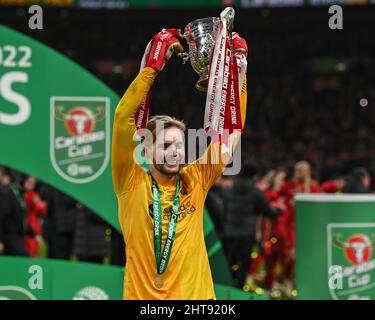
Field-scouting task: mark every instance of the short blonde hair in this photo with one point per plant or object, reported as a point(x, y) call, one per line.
point(167, 122)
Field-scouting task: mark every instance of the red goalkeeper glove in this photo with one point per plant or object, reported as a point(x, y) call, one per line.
point(163, 45)
point(239, 44)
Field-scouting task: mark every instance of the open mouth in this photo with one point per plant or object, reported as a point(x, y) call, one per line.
point(172, 162)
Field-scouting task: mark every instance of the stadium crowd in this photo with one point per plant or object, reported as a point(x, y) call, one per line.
point(38, 220)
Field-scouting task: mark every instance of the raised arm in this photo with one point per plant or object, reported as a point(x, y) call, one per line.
point(159, 50)
point(124, 129)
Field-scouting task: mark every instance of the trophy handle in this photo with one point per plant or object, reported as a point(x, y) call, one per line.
point(183, 55)
point(228, 14)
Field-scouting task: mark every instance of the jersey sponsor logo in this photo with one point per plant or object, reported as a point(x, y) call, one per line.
point(186, 209)
point(79, 137)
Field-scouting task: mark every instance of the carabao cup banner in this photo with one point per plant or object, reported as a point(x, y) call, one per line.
point(55, 124)
point(41, 279)
point(335, 246)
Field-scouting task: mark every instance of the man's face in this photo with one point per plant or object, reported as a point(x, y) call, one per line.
point(169, 151)
point(5, 180)
point(366, 182)
point(302, 172)
point(340, 182)
point(30, 183)
point(279, 179)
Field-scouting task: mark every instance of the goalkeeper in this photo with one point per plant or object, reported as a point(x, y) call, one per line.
point(161, 210)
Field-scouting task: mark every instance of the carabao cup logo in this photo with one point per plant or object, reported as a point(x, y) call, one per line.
point(357, 248)
point(350, 248)
point(79, 136)
point(80, 120)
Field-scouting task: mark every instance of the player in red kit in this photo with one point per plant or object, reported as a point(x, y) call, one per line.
point(276, 249)
point(302, 182)
point(333, 186)
point(36, 209)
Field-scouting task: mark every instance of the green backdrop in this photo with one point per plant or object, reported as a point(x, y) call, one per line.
point(40, 279)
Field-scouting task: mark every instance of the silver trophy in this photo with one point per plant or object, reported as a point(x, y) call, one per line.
point(200, 35)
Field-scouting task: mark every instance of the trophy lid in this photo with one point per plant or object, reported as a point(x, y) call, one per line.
point(200, 26)
point(210, 23)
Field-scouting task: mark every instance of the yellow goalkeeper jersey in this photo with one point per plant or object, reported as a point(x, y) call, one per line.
point(188, 274)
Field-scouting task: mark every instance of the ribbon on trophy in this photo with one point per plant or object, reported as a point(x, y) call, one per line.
point(226, 75)
point(141, 116)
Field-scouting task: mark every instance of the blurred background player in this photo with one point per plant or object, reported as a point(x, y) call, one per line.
point(334, 185)
point(359, 181)
point(302, 182)
point(245, 202)
point(36, 210)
